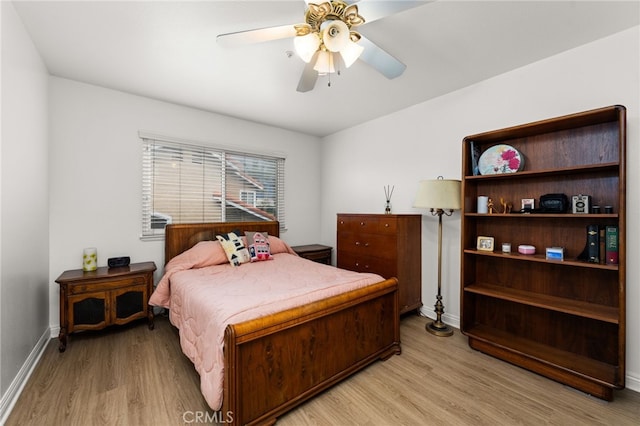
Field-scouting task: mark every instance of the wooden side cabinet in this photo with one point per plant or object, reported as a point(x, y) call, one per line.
point(385, 244)
point(107, 296)
point(562, 318)
point(316, 252)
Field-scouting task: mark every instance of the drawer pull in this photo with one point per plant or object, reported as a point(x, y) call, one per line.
point(361, 223)
point(386, 225)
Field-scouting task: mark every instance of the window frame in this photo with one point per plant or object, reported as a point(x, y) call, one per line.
point(194, 150)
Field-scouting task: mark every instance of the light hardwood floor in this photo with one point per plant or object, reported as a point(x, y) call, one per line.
point(133, 376)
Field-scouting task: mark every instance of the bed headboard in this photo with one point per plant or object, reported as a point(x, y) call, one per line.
point(181, 237)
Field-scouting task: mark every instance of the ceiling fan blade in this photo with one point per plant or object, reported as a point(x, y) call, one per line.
point(379, 59)
point(309, 76)
point(256, 36)
point(372, 10)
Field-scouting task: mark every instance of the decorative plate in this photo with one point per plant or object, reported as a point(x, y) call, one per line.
point(500, 159)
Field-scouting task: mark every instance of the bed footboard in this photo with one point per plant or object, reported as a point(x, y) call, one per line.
point(275, 363)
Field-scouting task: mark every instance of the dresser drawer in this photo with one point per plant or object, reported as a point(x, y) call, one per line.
point(368, 224)
point(315, 252)
point(353, 262)
point(103, 285)
point(368, 245)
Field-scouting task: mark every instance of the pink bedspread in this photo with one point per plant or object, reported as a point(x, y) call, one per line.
point(205, 294)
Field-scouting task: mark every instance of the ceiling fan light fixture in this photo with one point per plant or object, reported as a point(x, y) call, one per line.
point(306, 45)
point(350, 53)
point(324, 64)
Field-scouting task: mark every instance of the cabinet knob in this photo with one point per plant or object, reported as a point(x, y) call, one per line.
point(386, 225)
point(361, 223)
point(357, 243)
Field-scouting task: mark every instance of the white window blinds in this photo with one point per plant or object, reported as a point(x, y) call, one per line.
point(185, 183)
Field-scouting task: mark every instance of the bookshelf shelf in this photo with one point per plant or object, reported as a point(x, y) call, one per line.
point(564, 319)
point(584, 370)
point(585, 168)
point(568, 306)
point(542, 259)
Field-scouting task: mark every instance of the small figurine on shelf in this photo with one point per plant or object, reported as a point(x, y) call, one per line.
point(490, 206)
point(506, 207)
point(388, 192)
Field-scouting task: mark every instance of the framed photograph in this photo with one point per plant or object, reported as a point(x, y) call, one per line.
point(485, 243)
point(528, 203)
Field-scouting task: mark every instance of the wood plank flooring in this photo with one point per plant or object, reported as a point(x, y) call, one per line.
point(133, 376)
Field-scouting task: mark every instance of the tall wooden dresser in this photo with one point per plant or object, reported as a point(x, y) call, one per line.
point(385, 244)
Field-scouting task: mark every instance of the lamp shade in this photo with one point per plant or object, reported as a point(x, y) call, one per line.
point(306, 45)
point(335, 35)
point(350, 52)
point(438, 194)
point(324, 64)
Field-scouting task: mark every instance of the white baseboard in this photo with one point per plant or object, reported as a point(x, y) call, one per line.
point(632, 382)
point(54, 332)
point(10, 397)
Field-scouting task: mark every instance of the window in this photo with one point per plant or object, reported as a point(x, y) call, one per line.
point(185, 183)
point(248, 197)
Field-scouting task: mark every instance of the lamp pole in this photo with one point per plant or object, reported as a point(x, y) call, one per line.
point(437, 327)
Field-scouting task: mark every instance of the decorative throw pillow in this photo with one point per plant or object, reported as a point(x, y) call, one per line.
point(233, 246)
point(258, 244)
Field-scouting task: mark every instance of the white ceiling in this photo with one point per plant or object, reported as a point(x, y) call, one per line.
point(167, 50)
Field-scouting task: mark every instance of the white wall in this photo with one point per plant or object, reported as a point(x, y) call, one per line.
point(95, 186)
point(425, 141)
point(24, 202)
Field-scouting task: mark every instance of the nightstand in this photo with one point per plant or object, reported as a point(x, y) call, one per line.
point(316, 252)
point(107, 296)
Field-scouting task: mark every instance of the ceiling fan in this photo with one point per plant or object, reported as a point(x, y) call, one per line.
point(328, 40)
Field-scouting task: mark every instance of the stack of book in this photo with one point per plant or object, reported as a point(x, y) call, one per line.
point(602, 245)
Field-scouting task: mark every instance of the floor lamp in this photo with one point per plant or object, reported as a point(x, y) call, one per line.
point(442, 197)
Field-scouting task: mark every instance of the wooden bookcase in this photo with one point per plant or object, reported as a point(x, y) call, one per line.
point(564, 319)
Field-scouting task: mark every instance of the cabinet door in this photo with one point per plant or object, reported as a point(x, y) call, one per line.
point(88, 311)
point(129, 303)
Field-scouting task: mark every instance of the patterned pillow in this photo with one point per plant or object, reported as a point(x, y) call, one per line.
point(258, 244)
point(233, 246)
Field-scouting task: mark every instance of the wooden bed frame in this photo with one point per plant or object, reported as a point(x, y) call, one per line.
point(277, 362)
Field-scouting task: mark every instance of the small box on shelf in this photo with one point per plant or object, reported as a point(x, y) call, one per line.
point(555, 253)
